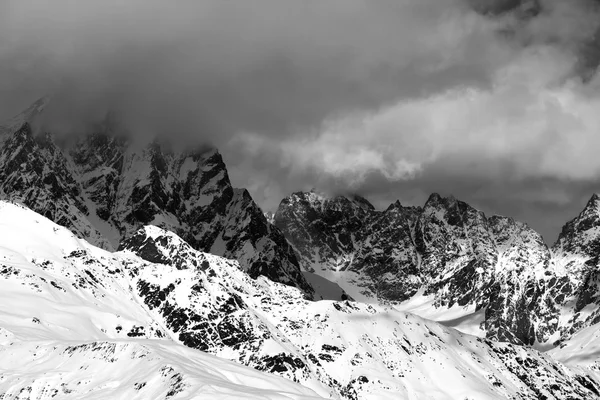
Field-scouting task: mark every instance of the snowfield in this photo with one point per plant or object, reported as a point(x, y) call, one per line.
point(132, 369)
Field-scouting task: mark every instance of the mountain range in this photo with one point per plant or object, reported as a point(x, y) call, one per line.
point(114, 251)
point(497, 270)
point(78, 322)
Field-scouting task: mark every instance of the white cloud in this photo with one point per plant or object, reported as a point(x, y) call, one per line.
point(533, 118)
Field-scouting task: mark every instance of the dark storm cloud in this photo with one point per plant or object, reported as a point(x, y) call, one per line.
point(211, 68)
point(524, 145)
point(494, 101)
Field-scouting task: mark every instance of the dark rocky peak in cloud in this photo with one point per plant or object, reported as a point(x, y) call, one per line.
point(334, 206)
point(593, 205)
point(362, 201)
point(453, 211)
point(450, 202)
point(435, 200)
point(494, 8)
point(507, 228)
point(397, 207)
point(105, 187)
point(581, 235)
point(29, 116)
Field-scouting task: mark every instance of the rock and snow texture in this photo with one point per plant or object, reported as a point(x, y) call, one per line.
point(67, 304)
point(79, 322)
point(132, 369)
point(448, 255)
point(104, 187)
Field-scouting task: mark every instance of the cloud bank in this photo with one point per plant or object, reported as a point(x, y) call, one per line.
point(212, 67)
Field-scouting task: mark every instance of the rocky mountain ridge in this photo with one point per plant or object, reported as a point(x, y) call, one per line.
point(455, 255)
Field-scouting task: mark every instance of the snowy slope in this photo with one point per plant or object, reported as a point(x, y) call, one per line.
point(131, 369)
point(76, 318)
point(70, 324)
point(582, 349)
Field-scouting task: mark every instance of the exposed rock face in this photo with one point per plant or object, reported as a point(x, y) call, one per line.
point(453, 252)
point(516, 311)
point(581, 236)
point(329, 226)
point(457, 249)
point(577, 255)
point(445, 244)
point(389, 258)
point(103, 188)
point(35, 172)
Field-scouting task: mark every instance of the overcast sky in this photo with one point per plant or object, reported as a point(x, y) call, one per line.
point(494, 101)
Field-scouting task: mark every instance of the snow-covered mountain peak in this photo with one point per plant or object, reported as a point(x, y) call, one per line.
point(395, 205)
point(595, 200)
point(582, 234)
point(155, 233)
point(174, 213)
point(591, 212)
point(436, 200)
point(104, 187)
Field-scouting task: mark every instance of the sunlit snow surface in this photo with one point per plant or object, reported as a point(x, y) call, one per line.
point(64, 335)
point(79, 322)
point(466, 319)
point(583, 349)
point(132, 369)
